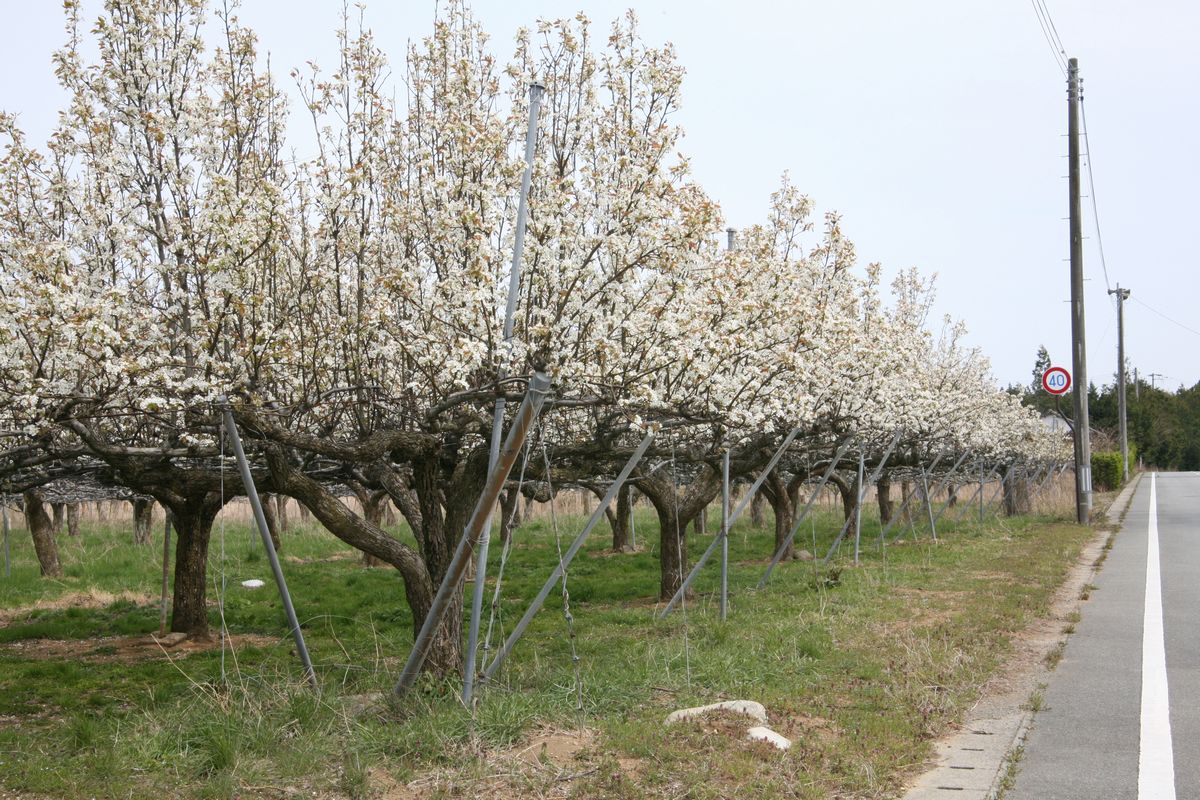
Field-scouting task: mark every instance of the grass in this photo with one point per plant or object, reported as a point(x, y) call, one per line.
point(862, 667)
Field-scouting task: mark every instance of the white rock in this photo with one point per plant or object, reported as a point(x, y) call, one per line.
point(253, 583)
point(748, 708)
point(769, 736)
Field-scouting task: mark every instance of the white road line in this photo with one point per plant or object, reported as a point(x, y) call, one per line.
point(1156, 760)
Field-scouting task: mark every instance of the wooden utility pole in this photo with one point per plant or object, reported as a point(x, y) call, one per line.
point(1082, 427)
point(1122, 296)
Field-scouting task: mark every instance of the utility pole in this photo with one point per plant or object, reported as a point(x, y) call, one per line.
point(1137, 389)
point(1082, 426)
point(1122, 296)
point(1154, 375)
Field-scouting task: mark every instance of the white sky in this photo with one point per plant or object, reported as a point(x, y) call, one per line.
point(936, 127)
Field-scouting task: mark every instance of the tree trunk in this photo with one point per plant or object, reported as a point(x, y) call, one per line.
point(389, 514)
point(101, 511)
point(620, 520)
point(56, 525)
point(41, 528)
point(192, 522)
point(73, 519)
point(372, 506)
point(906, 492)
point(756, 510)
point(281, 512)
point(701, 523)
point(783, 503)
point(883, 491)
point(952, 495)
point(673, 558)
point(1016, 494)
point(848, 489)
point(143, 513)
point(268, 506)
point(676, 508)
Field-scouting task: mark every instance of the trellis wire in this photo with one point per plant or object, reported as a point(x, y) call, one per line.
point(494, 615)
point(566, 594)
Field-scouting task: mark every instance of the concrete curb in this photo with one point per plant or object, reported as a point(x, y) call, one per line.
point(974, 763)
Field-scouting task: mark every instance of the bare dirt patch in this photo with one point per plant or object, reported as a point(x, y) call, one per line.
point(124, 649)
point(91, 598)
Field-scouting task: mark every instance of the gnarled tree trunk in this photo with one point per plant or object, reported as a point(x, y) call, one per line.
point(281, 513)
point(848, 489)
point(883, 492)
point(268, 506)
point(41, 528)
point(143, 514)
point(783, 503)
point(73, 519)
point(192, 520)
point(677, 508)
point(56, 524)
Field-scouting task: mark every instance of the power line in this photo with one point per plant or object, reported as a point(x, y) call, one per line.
point(1046, 11)
point(1092, 191)
point(1046, 27)
point(1164, 316)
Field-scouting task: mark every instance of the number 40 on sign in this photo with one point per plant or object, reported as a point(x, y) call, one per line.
point(1056, 380)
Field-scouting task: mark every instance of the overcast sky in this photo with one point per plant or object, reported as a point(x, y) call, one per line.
point(936, 127)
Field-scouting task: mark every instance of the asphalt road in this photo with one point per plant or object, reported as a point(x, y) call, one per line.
point(1121, 714)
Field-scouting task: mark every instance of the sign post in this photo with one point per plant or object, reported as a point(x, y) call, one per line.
point(1057, 381)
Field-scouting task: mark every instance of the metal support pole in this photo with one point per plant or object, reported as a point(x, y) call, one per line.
point(907, 500)
point(858, 501)
point(874, 477)
point(725, 536)
point(1081, 425)
point(268, 545)
point(977, 494)
point(539, 385)
point(166, 564)
point(560, 568)
point(514, 291)
point(945, 480)
point(779, 551)
point(632, 519)
point(732, 519)
point(999, 493)
point(7, 558)
point(981, 490)
point(929, 505)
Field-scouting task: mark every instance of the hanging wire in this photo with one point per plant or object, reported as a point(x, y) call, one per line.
point(687, 652)
point(566, 594)
point(1092, 192)
point(494, 616)
point(221, 591)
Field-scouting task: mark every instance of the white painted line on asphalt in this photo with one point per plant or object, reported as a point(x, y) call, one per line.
point(1156, 760)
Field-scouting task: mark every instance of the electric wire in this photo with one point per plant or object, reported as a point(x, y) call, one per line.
point(1046, 33)
point(1148, 307)
point(1092, 192)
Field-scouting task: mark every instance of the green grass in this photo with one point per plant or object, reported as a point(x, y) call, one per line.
point(861, 666)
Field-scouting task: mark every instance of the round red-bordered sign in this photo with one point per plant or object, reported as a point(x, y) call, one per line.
point(1056, 380)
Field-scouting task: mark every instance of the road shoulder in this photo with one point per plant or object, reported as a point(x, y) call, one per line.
point(974, 762)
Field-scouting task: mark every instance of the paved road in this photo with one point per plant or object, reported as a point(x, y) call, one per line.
point(1121, 715)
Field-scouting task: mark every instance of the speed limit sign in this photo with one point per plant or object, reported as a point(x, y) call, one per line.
point(1056, 380)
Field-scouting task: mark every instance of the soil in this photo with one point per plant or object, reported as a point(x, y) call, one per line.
point(92, 598)
point(125, 649)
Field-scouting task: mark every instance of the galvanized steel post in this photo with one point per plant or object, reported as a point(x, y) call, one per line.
point(539, 385)
point(265, 532)
point(514, 291)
